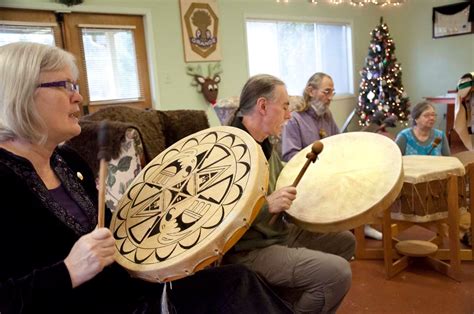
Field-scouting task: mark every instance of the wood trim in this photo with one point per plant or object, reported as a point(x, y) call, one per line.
point(20, 23)
point(106, 26)
point(73, 43)
point(34, 18)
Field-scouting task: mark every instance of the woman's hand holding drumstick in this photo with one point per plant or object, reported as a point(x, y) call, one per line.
point(281, 200)
point(95, 250)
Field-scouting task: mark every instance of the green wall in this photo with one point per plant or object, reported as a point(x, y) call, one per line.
point(430, 67)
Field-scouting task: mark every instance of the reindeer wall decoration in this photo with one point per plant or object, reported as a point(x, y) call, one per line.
point(208, 86)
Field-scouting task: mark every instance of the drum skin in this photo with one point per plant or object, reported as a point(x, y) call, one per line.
point(356, 176)
point(190, 204)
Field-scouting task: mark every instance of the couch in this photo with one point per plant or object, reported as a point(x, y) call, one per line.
point(135, 137)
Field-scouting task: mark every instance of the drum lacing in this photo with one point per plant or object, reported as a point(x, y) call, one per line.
point(220, 256)
point(246, 223)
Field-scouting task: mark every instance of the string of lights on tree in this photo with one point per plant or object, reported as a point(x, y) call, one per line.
point(381, 86)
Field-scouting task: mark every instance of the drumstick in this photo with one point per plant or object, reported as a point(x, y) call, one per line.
point(316, 149)
point(322, 133)
point(376, 119)
point(435, 144)
point(104, 156)
point(388, 122)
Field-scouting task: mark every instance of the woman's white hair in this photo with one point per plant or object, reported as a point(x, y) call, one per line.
point(20, 66)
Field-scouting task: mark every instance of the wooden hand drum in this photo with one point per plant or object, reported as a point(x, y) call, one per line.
point(356, 176)
point(190, 204)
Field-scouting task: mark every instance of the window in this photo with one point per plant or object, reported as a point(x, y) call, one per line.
point(110, 53)
point(293, 51)
point(33, 33)
point(109, 49)
point(26, 25)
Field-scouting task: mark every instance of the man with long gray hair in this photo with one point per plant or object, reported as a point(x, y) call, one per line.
point(314, 265)
point(314, 121)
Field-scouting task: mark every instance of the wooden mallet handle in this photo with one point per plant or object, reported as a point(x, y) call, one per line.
point(311, 157)
point(316, 149)
point(436, 142)
point(104, 156)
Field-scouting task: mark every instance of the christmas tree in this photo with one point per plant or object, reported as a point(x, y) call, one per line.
point(381, 91)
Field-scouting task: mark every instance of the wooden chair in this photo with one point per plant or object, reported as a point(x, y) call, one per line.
point(136, 137)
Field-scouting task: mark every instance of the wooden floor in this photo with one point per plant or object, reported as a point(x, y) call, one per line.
point(418, 289)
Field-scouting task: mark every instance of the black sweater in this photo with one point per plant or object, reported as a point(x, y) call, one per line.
point(36, 235)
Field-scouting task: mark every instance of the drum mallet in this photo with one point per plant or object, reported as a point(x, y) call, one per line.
point(376, 119)
point(311, 157)
point(104, 155)
point(436, 142)
point(389, 122)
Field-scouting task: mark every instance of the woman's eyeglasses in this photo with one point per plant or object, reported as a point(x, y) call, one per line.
point(429, 115)
point(69, 86)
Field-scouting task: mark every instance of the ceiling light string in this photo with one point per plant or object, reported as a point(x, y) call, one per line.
point(356, 3)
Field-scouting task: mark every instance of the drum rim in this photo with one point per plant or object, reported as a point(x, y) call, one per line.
point(369, 214)
point(249, 201)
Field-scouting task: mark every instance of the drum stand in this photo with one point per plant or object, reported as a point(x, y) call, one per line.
point(398, 254)
point(426, 249)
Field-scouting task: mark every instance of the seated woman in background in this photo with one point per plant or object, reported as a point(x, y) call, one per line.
point(422, 138)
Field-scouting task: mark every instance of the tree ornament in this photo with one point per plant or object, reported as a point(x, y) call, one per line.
point(370, 96)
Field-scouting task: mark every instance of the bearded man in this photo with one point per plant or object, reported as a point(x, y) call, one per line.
point(314, 120)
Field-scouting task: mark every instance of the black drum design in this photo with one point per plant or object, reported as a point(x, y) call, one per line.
point(190, 204)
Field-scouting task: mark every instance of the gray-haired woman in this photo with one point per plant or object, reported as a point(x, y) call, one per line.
point(54, 259)
point(422, 138)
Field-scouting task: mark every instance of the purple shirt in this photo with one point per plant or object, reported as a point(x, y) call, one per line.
point(303, 129)
point(61, 196)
